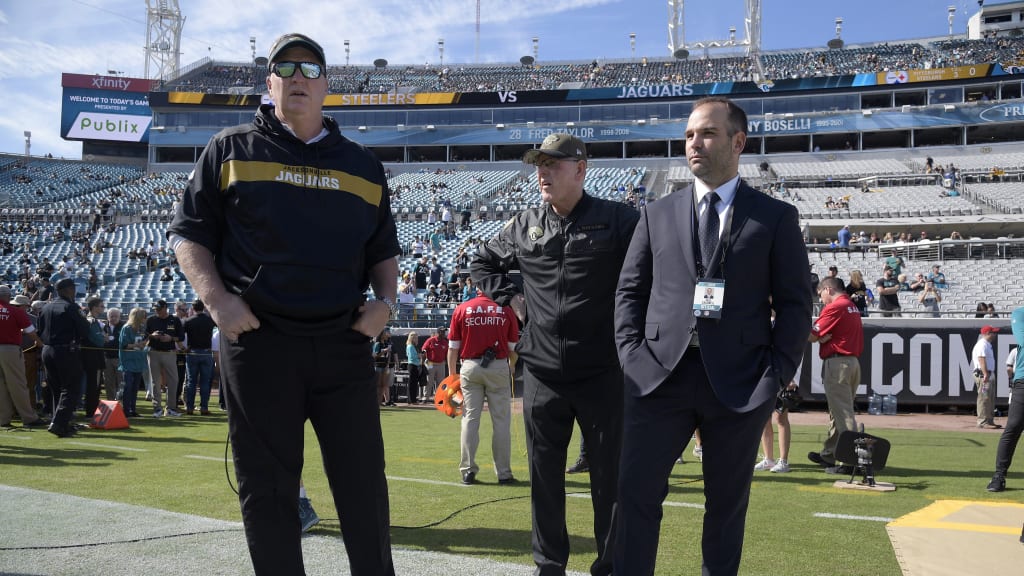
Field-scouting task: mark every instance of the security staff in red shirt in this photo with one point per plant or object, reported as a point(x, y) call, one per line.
point(15, 325)
point(483, 335)
point(840, 335)
point(435, 349)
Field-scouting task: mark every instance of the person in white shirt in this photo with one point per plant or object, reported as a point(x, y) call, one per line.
point(983, 358)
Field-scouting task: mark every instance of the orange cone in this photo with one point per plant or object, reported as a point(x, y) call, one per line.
point(109, 415)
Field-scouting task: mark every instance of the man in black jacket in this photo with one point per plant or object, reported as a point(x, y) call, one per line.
point(63, 330)
point(569, 251)
point(260, 197)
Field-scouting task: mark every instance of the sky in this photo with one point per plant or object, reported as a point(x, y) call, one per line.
point(40, 39)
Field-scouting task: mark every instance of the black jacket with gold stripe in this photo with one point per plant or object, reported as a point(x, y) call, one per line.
point(294, 227)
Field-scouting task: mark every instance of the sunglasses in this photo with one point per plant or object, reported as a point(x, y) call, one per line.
point(310, 70)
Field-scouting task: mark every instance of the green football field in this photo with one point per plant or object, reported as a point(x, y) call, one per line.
point(798, 523)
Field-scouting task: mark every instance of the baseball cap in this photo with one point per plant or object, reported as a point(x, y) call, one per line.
point(989, 329)
point(292, 40)
point(160, 304)
point(558, 145)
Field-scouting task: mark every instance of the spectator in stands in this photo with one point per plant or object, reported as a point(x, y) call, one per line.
point(981, 310)
point(166, 275)
point(468, 290)
point(904, 285)
point(895, 261)
point(417, 247)
point(887, 288)
point(421, 273)
point(449, 222)
point(937, 277)
point(955, 236)
point(929, 299)
point(436, 239)
point(918, 283)
point(844, 237)
point(436, 272)
point(991, 309)
point(858, 292)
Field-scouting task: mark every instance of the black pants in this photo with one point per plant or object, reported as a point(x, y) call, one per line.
point(550, 410)
point(275, 383)
point(1014, 427)
point(92, 391)
point(656, 429)
point(64, 378)
point(417, 379)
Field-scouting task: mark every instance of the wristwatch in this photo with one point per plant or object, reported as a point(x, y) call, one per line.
point(392, 307)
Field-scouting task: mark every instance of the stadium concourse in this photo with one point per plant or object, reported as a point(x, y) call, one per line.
point(109, 217)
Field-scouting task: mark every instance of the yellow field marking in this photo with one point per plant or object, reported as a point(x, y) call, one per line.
point(934, 516)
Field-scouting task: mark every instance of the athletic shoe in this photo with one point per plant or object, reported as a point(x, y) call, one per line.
point(158, 413)
point(781, 466)
point(698, 452)
point(579, 467)
point(172, 413)
point(307, 516)
point(764, 465)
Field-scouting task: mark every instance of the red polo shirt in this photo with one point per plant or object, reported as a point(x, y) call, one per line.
point(436, 349)
point(841, 319)
point(477, 324)
point(12, 321)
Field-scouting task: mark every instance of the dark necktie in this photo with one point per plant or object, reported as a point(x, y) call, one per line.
point(708, 230)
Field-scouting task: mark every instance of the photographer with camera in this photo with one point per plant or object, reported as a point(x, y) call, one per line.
point(483, 336)
point(840, 335)
point(929, 299)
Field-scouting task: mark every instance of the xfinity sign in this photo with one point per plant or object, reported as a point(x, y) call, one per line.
point(96, 126)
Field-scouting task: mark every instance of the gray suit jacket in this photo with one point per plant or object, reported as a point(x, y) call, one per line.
point(746, 357)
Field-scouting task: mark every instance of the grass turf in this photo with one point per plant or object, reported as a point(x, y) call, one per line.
point(176, 464)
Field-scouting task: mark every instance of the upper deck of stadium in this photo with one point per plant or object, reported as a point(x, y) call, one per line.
point(207, 76)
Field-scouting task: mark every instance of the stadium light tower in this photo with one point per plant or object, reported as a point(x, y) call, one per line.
point(440, 50)
point(536, 48)
point(952, 14)
point(632, 45)
point(252, 45)
point(679, 48)
point(346, 53)
point(28, 142)
point(163, 39)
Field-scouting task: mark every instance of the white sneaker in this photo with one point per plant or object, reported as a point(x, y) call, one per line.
point(172, 413)
point(764, 464)
point(781, 466)
point(158, 413)
point(698, 453)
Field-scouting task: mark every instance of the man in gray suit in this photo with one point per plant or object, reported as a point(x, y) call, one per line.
point(690, 362)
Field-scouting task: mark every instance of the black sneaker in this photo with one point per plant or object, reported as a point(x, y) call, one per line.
point(579, 467)
point(998, 484)
point(65, 432)
point(469, 478)
point(37, 423)
point(817, 459)
point(508, 481)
